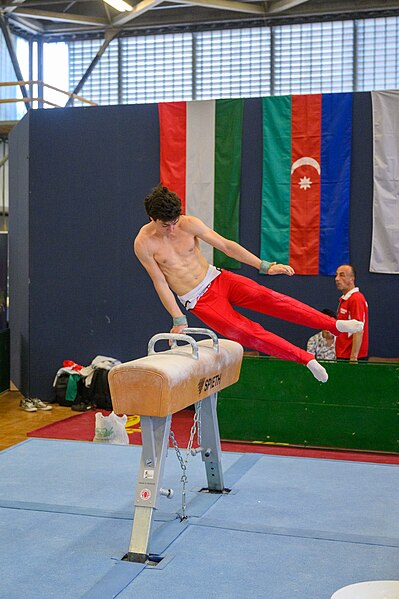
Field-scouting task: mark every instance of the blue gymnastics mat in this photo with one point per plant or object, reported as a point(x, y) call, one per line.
point(291, 528)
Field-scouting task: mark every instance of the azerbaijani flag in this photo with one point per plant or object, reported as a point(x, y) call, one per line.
point(200, 161)
point(306, 181)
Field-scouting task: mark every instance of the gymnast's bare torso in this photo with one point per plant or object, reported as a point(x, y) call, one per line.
point(174, 248)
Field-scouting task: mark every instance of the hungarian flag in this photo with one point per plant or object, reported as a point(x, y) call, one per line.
point(306, 181)
point(385, 242)
point(200, 161)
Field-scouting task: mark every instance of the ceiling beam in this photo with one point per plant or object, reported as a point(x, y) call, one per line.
point(139, 9)
point(157, 14)
point(60, 17)
point(109, 36)
point(12, 6)
point(282, 5)
point(43, 3)
point(304, 8)
point(27, 24)
point(231, 5)
point(14, 59)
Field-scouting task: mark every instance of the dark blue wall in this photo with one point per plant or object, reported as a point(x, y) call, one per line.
point(19, 248)
point(78, 177)
point(3, 279)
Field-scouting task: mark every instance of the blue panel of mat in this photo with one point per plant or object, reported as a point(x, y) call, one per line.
point(55, 471)
point(229, 564)
point(325, 495)
point(70, 473)
point(55, 556)
point(115, 580)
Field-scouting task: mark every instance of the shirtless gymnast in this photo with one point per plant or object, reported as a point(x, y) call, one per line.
point(168, 248)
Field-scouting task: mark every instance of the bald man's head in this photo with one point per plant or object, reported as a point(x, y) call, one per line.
point(345, 278)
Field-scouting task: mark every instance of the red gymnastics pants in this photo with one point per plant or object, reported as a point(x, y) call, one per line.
point(215, 309)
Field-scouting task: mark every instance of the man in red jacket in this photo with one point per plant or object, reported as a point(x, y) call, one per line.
point(352, 304)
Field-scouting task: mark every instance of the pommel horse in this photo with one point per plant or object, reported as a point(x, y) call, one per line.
point(159, 385)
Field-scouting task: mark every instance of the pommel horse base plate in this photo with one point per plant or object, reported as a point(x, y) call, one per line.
point(159, 385)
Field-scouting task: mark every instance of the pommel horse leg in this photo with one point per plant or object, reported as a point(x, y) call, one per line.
point(211, 451)
point(155, 440)
point(159, 385)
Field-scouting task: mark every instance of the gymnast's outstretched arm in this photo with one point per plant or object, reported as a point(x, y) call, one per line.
point(231, 248)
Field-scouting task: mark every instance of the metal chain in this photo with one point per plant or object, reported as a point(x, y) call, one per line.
point(183, 478)
point(184, 462)
point(192, 433)
point(198, 411)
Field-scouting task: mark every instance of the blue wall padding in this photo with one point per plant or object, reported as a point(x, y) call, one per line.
point(19, 258)
point(78, 178)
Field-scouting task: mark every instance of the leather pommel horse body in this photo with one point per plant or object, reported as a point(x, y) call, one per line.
point(159, 385)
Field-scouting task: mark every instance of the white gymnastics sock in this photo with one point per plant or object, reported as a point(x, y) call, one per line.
point(318, 371)
point(349, 326)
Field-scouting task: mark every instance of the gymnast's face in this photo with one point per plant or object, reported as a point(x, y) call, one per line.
point(166, 227)
point(344, 278)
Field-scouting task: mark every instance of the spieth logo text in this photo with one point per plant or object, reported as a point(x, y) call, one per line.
point(211, 383)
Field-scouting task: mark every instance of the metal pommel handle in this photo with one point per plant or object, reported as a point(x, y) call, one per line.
point(199, 331)
point(173, 337)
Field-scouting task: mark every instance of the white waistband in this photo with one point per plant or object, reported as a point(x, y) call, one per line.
point(190, 299)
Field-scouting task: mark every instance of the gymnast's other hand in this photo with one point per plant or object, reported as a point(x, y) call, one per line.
point(178, 329)
point(281, 269)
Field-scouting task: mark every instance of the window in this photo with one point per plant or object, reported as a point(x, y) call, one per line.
point(156, 68)
point(55, 72)
point(233, 63)
point(377, 54)
point(11, 111)
point(313, 58)
point(102, 85)
point(326, 57)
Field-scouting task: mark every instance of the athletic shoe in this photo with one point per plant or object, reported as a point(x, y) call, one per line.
point(81, 407)
point(40, 405)
point(27, 405)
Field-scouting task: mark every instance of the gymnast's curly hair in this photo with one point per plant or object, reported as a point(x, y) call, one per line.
point(162, 204)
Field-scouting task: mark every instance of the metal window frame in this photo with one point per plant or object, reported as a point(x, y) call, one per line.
point(363, 74)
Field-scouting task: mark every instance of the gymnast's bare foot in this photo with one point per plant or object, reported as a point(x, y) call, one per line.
point(318, 371)
point(349, 326)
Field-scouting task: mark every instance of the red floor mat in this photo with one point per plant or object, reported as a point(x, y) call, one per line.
point(80, 427)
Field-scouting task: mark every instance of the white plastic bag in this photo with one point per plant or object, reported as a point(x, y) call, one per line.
point(111, 429)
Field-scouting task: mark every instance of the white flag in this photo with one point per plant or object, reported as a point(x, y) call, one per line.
point(385, 239)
